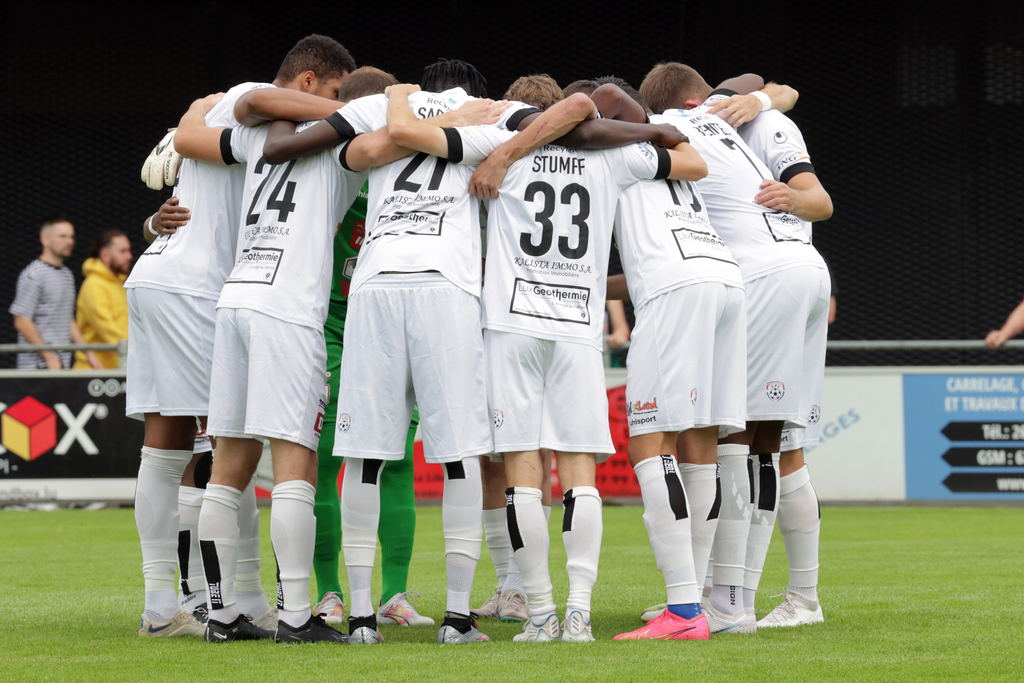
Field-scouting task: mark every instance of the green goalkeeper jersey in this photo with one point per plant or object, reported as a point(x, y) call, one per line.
point(347, 242)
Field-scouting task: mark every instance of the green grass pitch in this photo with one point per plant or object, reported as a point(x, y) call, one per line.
point(908, 593)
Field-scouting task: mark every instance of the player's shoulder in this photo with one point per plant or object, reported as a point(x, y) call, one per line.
point(365, 111)
point(427, 104)
point(770, 120)
point(223, 113)
point(514, 115)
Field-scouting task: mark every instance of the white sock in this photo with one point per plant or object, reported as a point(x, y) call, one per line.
point(496, 533)
point(582, 529)
point(156, 518)
point(748, 599)
point(190, 559)
point(218, 541)
point(762, 522)
point(704, 494)
point(667, 518)
point(730, 546)
point(293, 533)
point(461, 510)
point(513, 582)
point(360, 516)
point(531, 544)
point(547, 512)
point(248, 588)
point(800, 524)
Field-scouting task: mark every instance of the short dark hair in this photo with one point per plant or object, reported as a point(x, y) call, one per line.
point(453, 73)
point(539, 90)
point(365, 81)
point(103, 241)
point(614, 80)
point(669, 84)
point(324, 56)
point(51, 221)
point(587, 87)
point(626, 88)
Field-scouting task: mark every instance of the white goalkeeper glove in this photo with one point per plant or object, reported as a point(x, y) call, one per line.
point(161, 167)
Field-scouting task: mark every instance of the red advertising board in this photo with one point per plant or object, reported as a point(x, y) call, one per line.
point(615, 478)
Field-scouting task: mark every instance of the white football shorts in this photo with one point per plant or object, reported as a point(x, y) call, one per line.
point(170, 351)
point(687, 361)
point(546, 394)
point(409, 338)
point(787, 329)
point(809, 436)
point(269, 379)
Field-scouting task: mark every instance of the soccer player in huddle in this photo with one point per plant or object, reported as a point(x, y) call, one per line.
point(453, 435)
point(290, 213)
point(794, 187)
point(549, 233)
point(787, 298)
point(685, 380)
point(172, 292)
point(398, 518)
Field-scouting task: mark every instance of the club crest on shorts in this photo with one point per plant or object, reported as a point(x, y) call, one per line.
point(344, 422)
point(775, 391)
point(693, 396)
point(499, 418)
point(815, 415)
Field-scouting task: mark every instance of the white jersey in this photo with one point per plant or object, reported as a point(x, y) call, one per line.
point(290, 213)
point(763, 241)
point(666, 239)
point(549, 234)
point(197, 258)
point(777, 141)
point(420, 215)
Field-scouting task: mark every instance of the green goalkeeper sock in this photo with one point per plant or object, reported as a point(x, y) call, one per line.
point(327, 508)
point(397, 521)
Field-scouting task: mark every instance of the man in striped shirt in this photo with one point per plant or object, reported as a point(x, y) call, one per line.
point(44, 306)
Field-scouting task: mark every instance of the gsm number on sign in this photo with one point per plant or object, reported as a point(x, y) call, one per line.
point(543, 217)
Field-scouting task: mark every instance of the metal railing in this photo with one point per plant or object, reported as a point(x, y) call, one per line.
point(121, 347)
point(919, 345)
point(836, 345)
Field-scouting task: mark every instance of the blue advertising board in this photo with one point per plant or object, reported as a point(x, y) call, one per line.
point(964, 436)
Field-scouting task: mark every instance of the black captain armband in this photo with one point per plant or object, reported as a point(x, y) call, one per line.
point(517, 118)
point(225, 147)
point(455, 152)
point(341, 124)
point(796, 169)
point(723, 91)
point(664, 163)
point(343, 154)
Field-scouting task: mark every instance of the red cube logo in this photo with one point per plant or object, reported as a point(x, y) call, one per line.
point(29, 428)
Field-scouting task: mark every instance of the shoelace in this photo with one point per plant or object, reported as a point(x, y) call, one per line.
point(408, 595)
point(787, 608)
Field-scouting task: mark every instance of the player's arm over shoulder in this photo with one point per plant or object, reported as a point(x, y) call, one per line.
point(260, 105)
point(195, 140)
point(284, 144)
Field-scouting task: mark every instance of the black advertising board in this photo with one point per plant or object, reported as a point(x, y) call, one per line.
point(66, 425)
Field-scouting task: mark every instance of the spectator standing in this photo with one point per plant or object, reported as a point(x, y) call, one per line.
point(44, 305)
point(102, 301)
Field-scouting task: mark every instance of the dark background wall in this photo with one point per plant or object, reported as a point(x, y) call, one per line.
point(913, 119)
